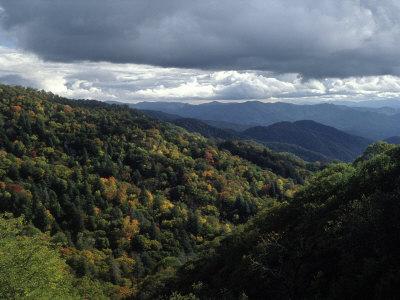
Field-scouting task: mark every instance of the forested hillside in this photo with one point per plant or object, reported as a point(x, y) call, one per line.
point(337, 239)
point(128, 199)
point(308, 140)
point(328, 141)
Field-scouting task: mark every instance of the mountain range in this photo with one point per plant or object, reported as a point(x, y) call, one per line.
point(370, 123)
point(99, 201)
point(393, 140)
point(309, 140)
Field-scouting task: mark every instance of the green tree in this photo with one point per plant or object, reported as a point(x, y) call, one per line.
point(373, 150)
point(30, 268)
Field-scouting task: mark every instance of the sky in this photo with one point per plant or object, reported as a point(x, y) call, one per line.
point(197, 51)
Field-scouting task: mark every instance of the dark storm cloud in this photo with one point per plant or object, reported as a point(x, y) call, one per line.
point(322, 38)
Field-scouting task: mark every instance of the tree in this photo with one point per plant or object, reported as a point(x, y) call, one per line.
point(373, 150)
point(30, 267)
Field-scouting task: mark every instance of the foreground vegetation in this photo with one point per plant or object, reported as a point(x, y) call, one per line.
point(337, 239)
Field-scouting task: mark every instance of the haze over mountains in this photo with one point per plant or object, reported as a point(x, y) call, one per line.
point(333, 143)
point(391, 103)
point(319, 132)
point(309, 140)
point(369, 123)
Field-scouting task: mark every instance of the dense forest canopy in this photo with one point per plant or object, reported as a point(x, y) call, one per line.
point(336, 239)
point(128, 199)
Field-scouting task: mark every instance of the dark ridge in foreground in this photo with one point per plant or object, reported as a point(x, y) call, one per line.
point(338, 239)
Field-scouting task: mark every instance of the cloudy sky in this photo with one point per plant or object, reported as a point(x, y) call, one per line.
point(186, 50)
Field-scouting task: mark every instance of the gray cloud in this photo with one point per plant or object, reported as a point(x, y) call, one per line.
point(14, 79)
point(318, 39)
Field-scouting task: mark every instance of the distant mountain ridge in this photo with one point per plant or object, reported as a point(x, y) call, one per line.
point(393, 140)
point(313, 136)
point(309, 140)
point(391, 103)
point(368, 123)
point(173, 117)
point(208, 131)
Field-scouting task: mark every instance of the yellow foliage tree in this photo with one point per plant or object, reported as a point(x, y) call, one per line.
point(130, 228)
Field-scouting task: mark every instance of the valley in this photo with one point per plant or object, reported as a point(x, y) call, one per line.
point(134, 207)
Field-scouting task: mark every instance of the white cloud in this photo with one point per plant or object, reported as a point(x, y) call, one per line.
point(132, 83)
point(189, 90)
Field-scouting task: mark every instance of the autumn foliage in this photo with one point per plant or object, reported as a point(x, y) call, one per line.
point(127, 198)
